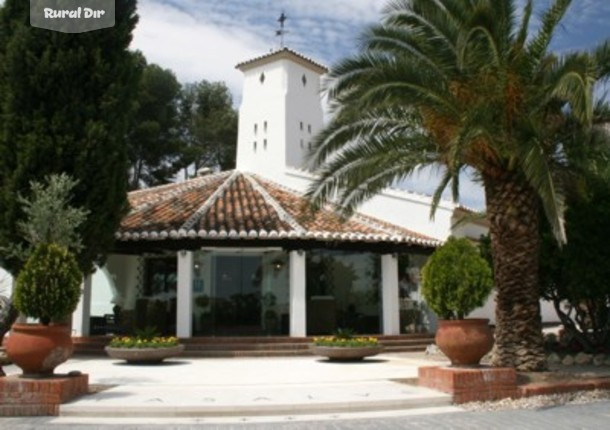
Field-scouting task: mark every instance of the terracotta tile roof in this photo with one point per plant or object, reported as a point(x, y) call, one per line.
point(284, 53)
point(238, 205)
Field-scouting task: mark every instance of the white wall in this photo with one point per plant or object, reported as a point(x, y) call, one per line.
point(123, 270)
point(280, 110)
point(103, 291)
point(489, 311)
point(262, 103)
point(6, 283)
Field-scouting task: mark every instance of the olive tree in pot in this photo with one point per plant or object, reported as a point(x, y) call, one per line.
point(47, 287)
point(456, 279)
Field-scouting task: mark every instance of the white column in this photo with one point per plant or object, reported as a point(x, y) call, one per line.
point(82, 315)
point(184, 311)
point(298, 281)
point(389, 294)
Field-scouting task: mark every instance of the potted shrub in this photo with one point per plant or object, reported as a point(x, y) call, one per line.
point(146, 346)
point(345, 346)
point(47, 289)
point(456, 279)
point(47, 277)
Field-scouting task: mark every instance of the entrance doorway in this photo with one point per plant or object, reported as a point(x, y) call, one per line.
point(236, 295)
point(240, 293)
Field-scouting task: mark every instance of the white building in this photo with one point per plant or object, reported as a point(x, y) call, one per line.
point(239, 253)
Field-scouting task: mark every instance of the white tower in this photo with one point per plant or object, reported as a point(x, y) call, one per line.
point(280, 113)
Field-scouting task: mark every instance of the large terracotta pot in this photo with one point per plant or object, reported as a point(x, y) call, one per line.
point(38, 349)
point(466, 341)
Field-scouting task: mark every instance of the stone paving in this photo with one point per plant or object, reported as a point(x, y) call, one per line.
point(185, 387)
point(588, 416)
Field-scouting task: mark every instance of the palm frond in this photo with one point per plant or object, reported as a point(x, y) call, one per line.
point(525, 24)
point(602, 58)
point(538, 173)
point(538, 46)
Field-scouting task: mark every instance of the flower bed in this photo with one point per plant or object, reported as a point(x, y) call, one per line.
point(144, 347)
point(142, 342)
point(346, 342)
point(345, 347)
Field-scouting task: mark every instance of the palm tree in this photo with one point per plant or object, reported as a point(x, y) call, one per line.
point(463, 84)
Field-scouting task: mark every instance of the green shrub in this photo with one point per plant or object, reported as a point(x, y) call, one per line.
point(456, 279)
point(48, 287)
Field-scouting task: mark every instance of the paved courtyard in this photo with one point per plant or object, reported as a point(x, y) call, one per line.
point(282, 393)
point(588, 416)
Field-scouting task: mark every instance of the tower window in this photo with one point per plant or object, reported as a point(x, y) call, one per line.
point(309, 145)
point(262, 78)
point(255, 146)
point(255, 128)
point(309, 128)
point(302, 144)
point(265, 126)
point(304, 79)
point(265, 144)
point(301, 125)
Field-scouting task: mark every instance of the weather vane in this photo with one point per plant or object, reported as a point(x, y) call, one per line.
point(281, 32)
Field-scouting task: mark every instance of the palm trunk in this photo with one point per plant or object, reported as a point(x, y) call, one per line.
point(513, 210)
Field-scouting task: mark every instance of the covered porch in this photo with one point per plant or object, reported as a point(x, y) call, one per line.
point(232, 255)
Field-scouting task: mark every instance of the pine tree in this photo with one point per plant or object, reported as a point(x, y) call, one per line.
point(65, 105)
point(154, 144)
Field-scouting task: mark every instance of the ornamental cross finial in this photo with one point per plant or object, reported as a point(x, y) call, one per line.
point(281, 32)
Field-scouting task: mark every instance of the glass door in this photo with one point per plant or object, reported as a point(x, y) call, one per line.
point(236, 295)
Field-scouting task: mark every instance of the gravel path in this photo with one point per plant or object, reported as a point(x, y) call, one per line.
point(538, 402)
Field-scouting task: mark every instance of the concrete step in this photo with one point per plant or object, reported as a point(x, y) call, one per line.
point(257, 346)
point(266, 400)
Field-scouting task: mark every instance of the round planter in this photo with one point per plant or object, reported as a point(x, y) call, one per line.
point(38, 349)
point(466, 341)
point(342, 353)
point(144, 355)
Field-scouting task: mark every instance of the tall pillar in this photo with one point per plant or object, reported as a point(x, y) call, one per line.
point(184, 311)
point(389, 294)
point(82, 315)
point(298, 282)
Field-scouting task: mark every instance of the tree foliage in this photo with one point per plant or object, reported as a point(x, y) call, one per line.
point(48, 287)
point(209, 126)
point(456, 279)
point(155, 147)
point(50, 217)
point(575, 277)
point(65, 105)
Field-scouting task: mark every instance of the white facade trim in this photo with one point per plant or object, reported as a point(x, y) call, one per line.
point(82, 315)
point(184, 302)
point(298, 303)
point(389, 295)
